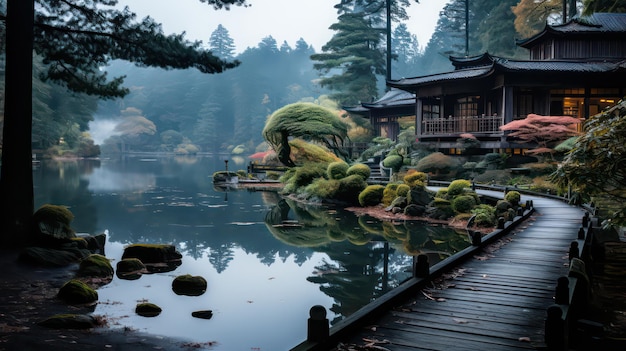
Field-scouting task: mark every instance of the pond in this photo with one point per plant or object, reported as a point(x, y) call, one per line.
point(267, 260)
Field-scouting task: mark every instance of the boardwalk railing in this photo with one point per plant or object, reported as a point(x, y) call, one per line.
point(319, 337)
point(572, 294)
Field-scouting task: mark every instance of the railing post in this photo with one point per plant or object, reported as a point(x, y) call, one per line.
point(477, 238)
point(501, 222)
point(421, 267)
point(555, 329)
point(573, 250)
point(561, 294)
point(317, 324)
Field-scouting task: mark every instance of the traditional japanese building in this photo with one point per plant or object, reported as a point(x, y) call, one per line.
point(574, 69)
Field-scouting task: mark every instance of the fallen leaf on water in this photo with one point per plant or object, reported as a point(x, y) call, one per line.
point(524, 339)
point(441, 299)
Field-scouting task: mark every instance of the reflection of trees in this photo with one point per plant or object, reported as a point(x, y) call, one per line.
point(354, 280)
point(362, 249)
point(61, 183)
point(221, 257)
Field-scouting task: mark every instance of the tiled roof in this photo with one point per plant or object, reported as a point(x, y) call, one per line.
point(556, 66)
point(434, 78)
point(597, 22)
point(506, 65)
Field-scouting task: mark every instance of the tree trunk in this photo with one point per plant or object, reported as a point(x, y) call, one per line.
point(16, 178)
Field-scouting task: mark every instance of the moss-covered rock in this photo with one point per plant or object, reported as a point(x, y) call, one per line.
point(70, 321)
point(49, 257)
point(419, 195)
point(130, 269)
point(205, 314)
point(152, 253)
point(147, 309)
point(76, 292)
point(52, 223)
point(95, 266)
point(189, 285)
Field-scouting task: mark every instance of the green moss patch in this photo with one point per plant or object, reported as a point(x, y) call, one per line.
point(76, 292)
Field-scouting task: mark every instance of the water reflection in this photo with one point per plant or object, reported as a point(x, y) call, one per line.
point(258, 251)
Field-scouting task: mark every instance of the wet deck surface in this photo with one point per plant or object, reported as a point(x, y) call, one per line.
point(495, 301)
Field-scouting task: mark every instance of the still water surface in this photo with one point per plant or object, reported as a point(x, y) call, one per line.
point(266, 259)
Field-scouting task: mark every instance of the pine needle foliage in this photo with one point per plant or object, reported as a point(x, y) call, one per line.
point(304, 120)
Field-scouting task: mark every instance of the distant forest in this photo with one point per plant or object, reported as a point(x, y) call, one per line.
point(185, 111)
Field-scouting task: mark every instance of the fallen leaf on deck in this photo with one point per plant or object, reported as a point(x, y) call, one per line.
point(524, 339)
point(460, 321)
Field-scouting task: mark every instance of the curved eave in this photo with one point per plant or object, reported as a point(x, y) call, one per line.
point(469, 73)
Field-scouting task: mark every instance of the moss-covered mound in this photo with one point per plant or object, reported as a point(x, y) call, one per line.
point(147, 309)
point(152, 253)
point(95, 266)
point(70, 321)
point(130, 269)
point(76, 292)
point(52, 222)
point(189, 285)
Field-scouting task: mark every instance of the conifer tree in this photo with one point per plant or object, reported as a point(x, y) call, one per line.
point(221, 44)
point(75, 39)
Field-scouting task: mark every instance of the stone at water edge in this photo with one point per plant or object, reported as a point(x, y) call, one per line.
point(147, 309)
point(70, 321)
point(95, 265)
point(189, 285)
point(206, 314)
point(76, 292)
point(130, 269)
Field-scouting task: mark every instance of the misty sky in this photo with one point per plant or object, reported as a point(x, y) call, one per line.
point(284, 20)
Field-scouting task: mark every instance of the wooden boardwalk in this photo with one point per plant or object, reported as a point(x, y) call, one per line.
point(496, 300)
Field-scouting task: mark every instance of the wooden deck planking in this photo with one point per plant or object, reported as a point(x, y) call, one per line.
point(495, 301)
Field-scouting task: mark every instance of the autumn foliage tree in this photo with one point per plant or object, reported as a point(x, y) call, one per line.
point(596, 166)
point(542, 131)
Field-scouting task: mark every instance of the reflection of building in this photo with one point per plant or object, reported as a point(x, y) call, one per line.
point(574, 69)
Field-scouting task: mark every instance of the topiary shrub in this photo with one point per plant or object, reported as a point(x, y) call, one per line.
point(463, 203)
point(323, 188)
point(360, 169)
point(513, 197)
point(485, 215)
point(393, 161)
point(403, 190)
point(349, 189)
point(457, 187)
point(389, 193)
point(415, 178)
point(372, 195)
point(337, 170)
point(306, 174)
point(437, 163)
